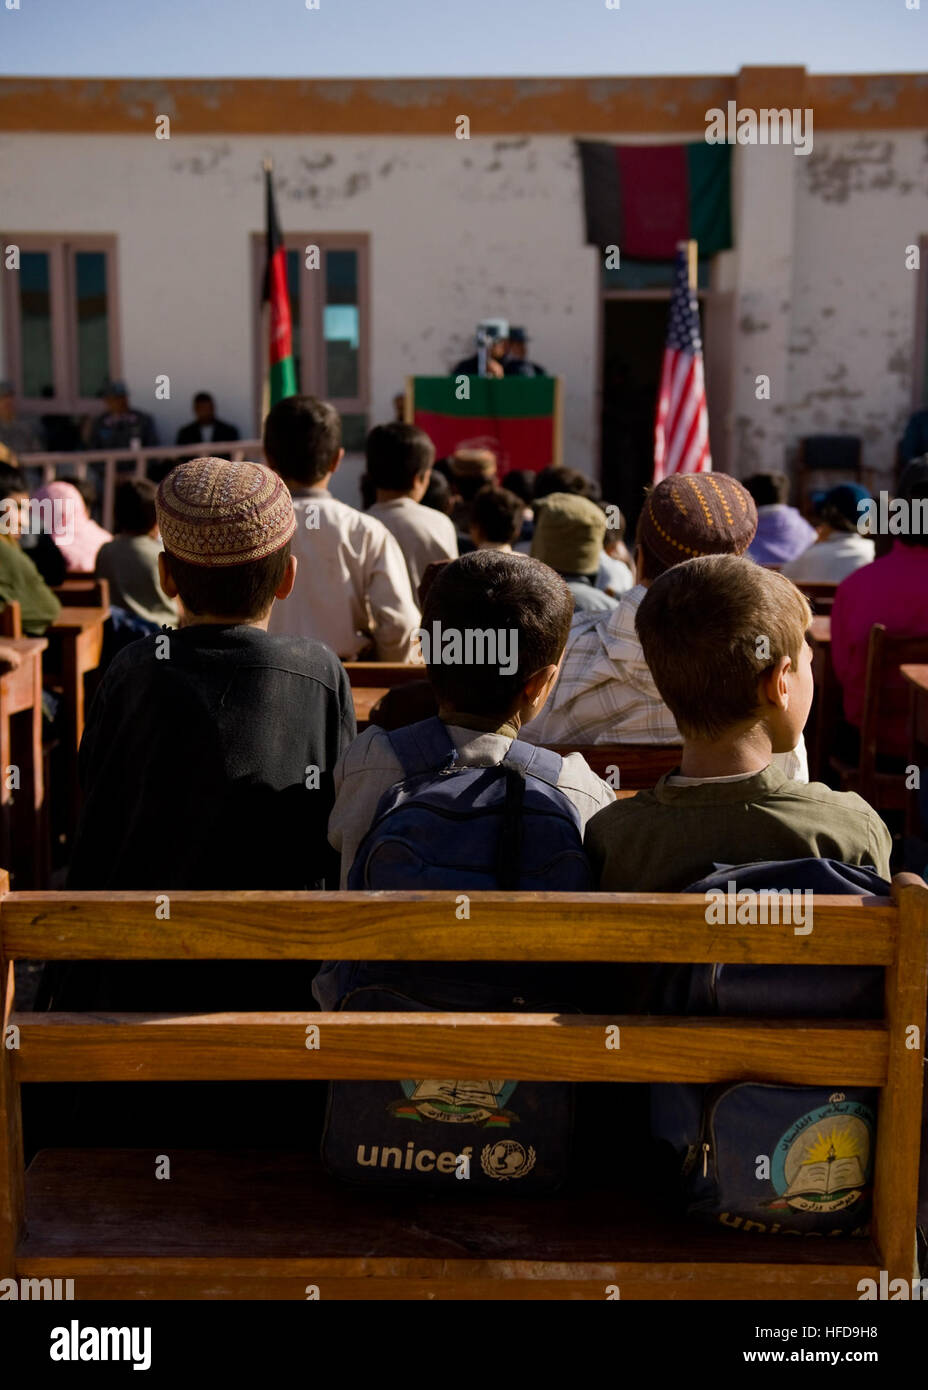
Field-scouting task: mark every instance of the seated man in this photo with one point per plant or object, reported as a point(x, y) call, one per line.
point(569, 534)
point(727, 803)
point(205, 428)
point(892, 591)
point(606, 693)
point(352, 588)
point(782, 533)
point(399, 468)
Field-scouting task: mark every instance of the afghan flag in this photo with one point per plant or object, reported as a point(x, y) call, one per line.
point(647, 198)
point(518, 417)
point(281, 380)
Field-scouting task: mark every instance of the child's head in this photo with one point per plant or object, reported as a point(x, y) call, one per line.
point(399, 459)
point(725, 641)
point(495, 517)
point(768, 489)
point(691, 514)
point(569, 533)
point(506, 606)
point(303, 439)
point(226, 529)
point(134, 510)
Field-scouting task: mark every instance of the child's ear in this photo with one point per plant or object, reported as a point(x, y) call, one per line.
point(285, 587)
point(775, 683)
point(337, 460)
point(166, 577)
point(538, 685)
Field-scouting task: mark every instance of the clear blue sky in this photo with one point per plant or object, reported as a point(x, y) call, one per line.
point(392, 38)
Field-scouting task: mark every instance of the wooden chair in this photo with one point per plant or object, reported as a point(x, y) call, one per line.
point(265, 1225)
point(11, 620)
point(640, 765)
point(385, 674)
point(821, 596)
point(83, 593)
point(884, 791)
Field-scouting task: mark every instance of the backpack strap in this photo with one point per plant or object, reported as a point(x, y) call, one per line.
point(536, 762)
point(422, 747)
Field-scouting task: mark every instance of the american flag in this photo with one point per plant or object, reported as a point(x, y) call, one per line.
point(681, 434)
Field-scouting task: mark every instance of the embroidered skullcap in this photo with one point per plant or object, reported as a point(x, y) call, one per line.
point(215, 513)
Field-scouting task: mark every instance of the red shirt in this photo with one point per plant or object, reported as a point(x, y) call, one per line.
point(893, 591)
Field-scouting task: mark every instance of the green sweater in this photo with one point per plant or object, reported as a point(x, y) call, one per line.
point(662, 840)
point(21, 582)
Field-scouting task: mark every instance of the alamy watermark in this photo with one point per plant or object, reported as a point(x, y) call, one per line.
point(471, 646)
point(768, 126)
point(36, 516)
point(885, 515)
point(768, 906)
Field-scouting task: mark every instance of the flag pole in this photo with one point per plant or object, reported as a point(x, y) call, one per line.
point(267, 165)
point(692, 261)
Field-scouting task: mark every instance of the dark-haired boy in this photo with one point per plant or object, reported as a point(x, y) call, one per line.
point(399, 468)
point(528, 609)
point(496, 519)
point(208, 754)
point(725, 641)
point(129, 562)
point(352, 588)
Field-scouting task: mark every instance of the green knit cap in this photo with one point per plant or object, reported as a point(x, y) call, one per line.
point(569, 532)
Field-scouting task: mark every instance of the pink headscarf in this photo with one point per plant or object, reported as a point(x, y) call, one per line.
point(79, 538)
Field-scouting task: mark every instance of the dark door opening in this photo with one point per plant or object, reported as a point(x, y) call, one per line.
point(634, 331)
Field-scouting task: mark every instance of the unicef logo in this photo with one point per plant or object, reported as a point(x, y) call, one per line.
point(507, 1159)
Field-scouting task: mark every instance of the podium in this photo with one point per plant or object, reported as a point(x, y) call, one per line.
point(518, 417)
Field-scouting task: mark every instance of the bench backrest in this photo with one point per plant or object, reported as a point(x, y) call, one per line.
point(631, 766)
point(514, 926)
point(84, 593)
point(384, 673)
point(11, 619)
point(820, 595)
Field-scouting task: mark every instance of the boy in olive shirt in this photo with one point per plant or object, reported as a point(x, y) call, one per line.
point(725, 641)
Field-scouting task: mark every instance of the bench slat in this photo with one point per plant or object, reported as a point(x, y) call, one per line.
point(372, 1046)
point(402, 926)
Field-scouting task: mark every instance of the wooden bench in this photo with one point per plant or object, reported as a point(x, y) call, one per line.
point(23, 812)
point(75, 650)
point(821, 596)
point(11, 620)
point(81, 592)
point(265, 1225)
point(640, 765)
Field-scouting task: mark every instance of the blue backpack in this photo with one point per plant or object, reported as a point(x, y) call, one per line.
point(465, 828)
point(461, 829)
point(758, 1157)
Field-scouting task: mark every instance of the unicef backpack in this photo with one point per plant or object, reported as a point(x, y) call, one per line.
point(760, 1157)
point(462, 829)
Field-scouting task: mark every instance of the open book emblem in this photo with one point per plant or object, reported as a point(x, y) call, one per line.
point(822, 1163)
point(457, 1102)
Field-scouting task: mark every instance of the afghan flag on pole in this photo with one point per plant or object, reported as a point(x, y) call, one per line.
point(281, 379)
point(647, 198)
point(518, 417)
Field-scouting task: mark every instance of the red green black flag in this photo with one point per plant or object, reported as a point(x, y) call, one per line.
point(282, 370)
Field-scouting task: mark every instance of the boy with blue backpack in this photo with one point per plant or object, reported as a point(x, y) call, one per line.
point(456, 802)
point(494, 630)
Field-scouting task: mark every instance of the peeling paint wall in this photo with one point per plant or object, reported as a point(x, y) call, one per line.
point(494, 225)
point(458, 230)
point(860, 200)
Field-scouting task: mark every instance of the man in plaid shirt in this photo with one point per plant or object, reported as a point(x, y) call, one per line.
point(605, 692)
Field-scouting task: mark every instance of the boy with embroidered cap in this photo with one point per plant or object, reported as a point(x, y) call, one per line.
point(606, 692)
point(208, 754)
point(737, 701)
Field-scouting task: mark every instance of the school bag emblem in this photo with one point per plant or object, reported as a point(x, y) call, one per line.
point(507, 1159)
point(822, 1163)
point(480, 1103)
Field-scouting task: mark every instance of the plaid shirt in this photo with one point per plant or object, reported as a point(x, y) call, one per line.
point(606, 693)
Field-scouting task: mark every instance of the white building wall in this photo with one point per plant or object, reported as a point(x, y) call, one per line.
point(860, 200)
point(460, 229)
